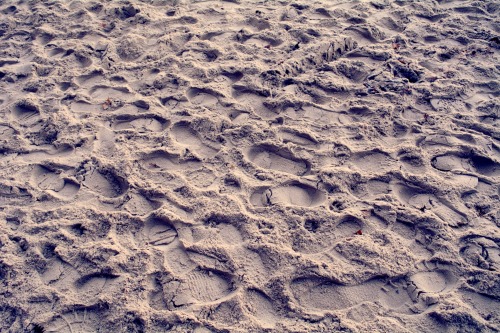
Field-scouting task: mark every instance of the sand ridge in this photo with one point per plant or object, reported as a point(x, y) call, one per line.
point(249, 166)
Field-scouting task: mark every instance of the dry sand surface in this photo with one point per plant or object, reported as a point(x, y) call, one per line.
point(249, 166)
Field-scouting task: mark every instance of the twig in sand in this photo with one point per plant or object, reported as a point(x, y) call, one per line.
point(268, 196)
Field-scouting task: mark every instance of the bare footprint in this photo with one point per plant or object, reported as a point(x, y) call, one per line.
point(274, 158)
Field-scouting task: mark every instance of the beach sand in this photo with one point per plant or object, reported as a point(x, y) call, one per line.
point(249, 166)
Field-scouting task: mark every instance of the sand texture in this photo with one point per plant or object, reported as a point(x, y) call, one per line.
point(249, 166)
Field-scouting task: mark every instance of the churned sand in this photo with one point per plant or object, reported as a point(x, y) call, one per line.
point(249, 166)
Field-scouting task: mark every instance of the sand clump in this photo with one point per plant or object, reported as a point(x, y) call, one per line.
point(249, 166)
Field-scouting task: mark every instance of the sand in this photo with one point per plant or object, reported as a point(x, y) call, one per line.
point(249, 166)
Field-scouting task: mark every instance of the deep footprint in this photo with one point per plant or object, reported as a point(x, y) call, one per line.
point(478, 164)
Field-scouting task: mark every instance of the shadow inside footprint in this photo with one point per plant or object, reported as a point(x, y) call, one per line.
point(26, 112)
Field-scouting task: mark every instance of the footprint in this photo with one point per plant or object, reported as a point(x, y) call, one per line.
point(92, 285)
point(234, 76)
point(373, 188)
point(14, 195)
point(83, 107)
point(82, 319)
point(60, 275)
point(486, 307)
point(239, 117)
point(52, 180)
point(477, 164)
point(6, 132)
point(26, 112)
point(274, 158)
point(411, 295)
point(260, 308)
point(322, 294)
point(423, 201)
point(201, 178)
point(348, 226)
point(105, 182)
point(315, 114)
point(412, 161)
point(102, 93)
point(374, 161)
point(302, 139)
point(414, 237)
point(199, 285)
point(163, 161)
point(294, 194)
point(140, 124)
point(159, 232)
point(202, 97)
point(431, 282)
point(139, 204)
point(423, 289)
point(201, 55)
point(481, 252)
point(90, 79)
point(219, 227)
point(212, 35)
point(47, 179)
point(255, 103)
point(186, 136)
